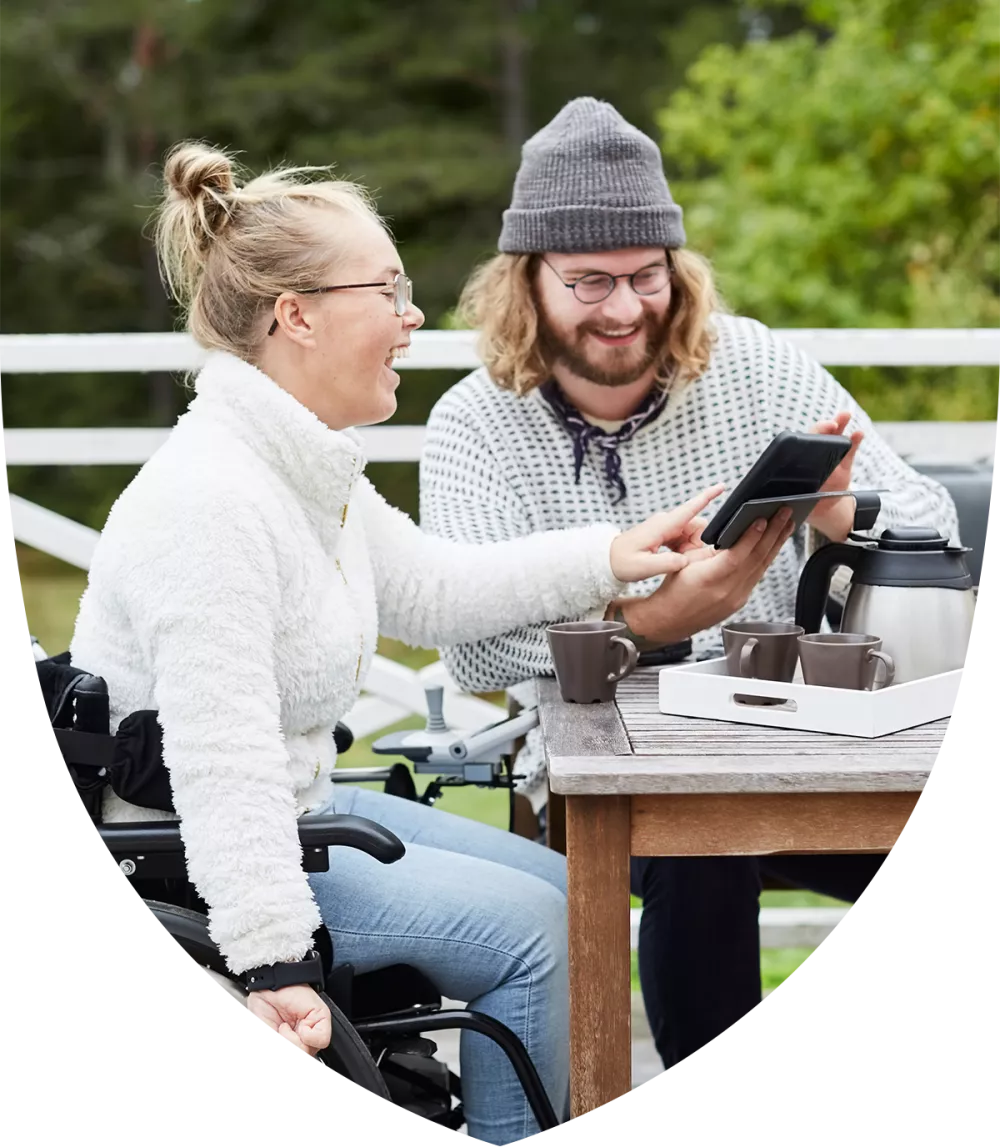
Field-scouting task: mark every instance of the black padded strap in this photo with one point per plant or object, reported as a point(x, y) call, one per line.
point(271, 977)
point(94, 749)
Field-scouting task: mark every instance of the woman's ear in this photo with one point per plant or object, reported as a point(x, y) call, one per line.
point(295, 318)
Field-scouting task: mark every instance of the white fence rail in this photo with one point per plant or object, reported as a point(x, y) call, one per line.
point(393, 691)
point(456, 350)
point(779, 927)
point(59, 446)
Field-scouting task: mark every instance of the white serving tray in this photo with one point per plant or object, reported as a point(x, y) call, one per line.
point(703, 689)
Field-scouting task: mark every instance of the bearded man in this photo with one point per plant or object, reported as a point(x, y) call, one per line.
point(615, 385)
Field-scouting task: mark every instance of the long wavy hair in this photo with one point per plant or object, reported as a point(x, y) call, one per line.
point(501, 301)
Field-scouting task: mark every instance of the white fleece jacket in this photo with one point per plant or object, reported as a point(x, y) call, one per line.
point(239, 587)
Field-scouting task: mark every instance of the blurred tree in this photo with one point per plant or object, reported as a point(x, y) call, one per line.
point(846, 176)
point(426, 104)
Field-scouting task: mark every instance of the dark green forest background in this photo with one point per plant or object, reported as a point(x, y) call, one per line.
point(837, 161)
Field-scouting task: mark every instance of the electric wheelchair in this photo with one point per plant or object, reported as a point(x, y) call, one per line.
point(380, 1018)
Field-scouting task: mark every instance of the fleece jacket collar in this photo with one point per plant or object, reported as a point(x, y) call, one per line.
point(321, 465)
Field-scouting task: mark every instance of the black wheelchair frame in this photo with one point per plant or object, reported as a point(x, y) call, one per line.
point(380, 1017)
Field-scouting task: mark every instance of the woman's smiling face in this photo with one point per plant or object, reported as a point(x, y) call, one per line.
point(347, 339)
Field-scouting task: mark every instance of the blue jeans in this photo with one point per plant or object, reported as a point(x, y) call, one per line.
point(482, 913)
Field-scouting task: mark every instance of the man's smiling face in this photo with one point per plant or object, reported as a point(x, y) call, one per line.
point(612, 342)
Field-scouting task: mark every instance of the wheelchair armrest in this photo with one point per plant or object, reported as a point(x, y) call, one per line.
point(346, 831)
point(134, 844)
point(141, 837)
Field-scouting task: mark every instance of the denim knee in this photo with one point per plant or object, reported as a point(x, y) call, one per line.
point(542, 932)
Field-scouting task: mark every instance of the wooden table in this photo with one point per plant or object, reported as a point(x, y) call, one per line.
point(638, 782)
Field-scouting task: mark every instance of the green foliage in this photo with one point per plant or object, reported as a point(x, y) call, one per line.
point(846, 176)
point(839, 174)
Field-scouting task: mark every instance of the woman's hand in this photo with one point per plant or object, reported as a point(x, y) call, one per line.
point(297, 1013)
point(635, 553)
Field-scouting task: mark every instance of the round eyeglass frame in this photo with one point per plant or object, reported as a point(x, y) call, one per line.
point(402, 293)
point(612, 280)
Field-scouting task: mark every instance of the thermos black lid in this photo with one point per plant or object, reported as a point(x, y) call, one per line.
point(911, 539)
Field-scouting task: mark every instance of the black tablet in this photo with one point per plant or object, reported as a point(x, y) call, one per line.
point(792, 465)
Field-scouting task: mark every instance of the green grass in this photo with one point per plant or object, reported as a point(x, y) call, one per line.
point(777, 964)
point(52, 592)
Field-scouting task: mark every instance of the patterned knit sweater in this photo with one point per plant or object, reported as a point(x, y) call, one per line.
point(496, 466)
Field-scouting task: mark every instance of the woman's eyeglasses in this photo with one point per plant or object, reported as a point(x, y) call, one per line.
point(402, 293)
point(597, 287)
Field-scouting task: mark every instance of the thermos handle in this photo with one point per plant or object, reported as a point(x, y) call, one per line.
point(814, 584)
point(867, 507)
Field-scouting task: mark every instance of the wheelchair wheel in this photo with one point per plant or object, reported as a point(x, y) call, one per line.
point(348, 1054)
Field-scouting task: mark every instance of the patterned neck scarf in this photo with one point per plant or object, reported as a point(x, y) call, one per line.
point(583, 432)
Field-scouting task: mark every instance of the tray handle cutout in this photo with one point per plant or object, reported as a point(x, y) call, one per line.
point(748, 701)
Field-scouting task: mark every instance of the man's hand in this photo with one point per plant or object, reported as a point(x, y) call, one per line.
point(834, 518)
point(711, 588)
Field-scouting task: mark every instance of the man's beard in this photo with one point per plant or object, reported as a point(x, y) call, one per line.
point(624, 367)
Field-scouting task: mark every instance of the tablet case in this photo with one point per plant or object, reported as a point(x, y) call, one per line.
point(867, 507)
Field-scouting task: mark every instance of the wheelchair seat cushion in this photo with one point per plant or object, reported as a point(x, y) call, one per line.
point(397, 988)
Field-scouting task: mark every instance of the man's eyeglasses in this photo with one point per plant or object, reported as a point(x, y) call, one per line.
point(402, 293)
point(597, 287)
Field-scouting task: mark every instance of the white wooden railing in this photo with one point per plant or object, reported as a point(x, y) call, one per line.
point(393, 691)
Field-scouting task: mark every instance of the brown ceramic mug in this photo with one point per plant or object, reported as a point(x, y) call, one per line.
point(844, 660)
point(764, 649)
point(590, 658)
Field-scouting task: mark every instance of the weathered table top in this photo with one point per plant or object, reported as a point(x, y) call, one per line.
point(631, 747)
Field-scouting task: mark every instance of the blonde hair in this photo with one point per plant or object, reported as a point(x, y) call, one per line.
point(500, 300)
point(228, 248)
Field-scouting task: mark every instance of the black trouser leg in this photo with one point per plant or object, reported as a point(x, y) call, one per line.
point(699, 947)
point(699, 941)
point(843, 876)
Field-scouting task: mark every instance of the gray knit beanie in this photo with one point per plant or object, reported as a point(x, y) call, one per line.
point(590, 181)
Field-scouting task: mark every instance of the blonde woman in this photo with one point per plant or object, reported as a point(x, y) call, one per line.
point(239, 588)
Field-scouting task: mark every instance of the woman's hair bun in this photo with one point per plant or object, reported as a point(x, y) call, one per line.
point(195, 171)
point(199, 199)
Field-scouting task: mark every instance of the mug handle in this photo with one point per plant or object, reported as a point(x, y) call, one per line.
point(746, 656)
point(887, 664)
point(629, 660)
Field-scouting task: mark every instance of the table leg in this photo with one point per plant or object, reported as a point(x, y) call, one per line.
point(600, 1001)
